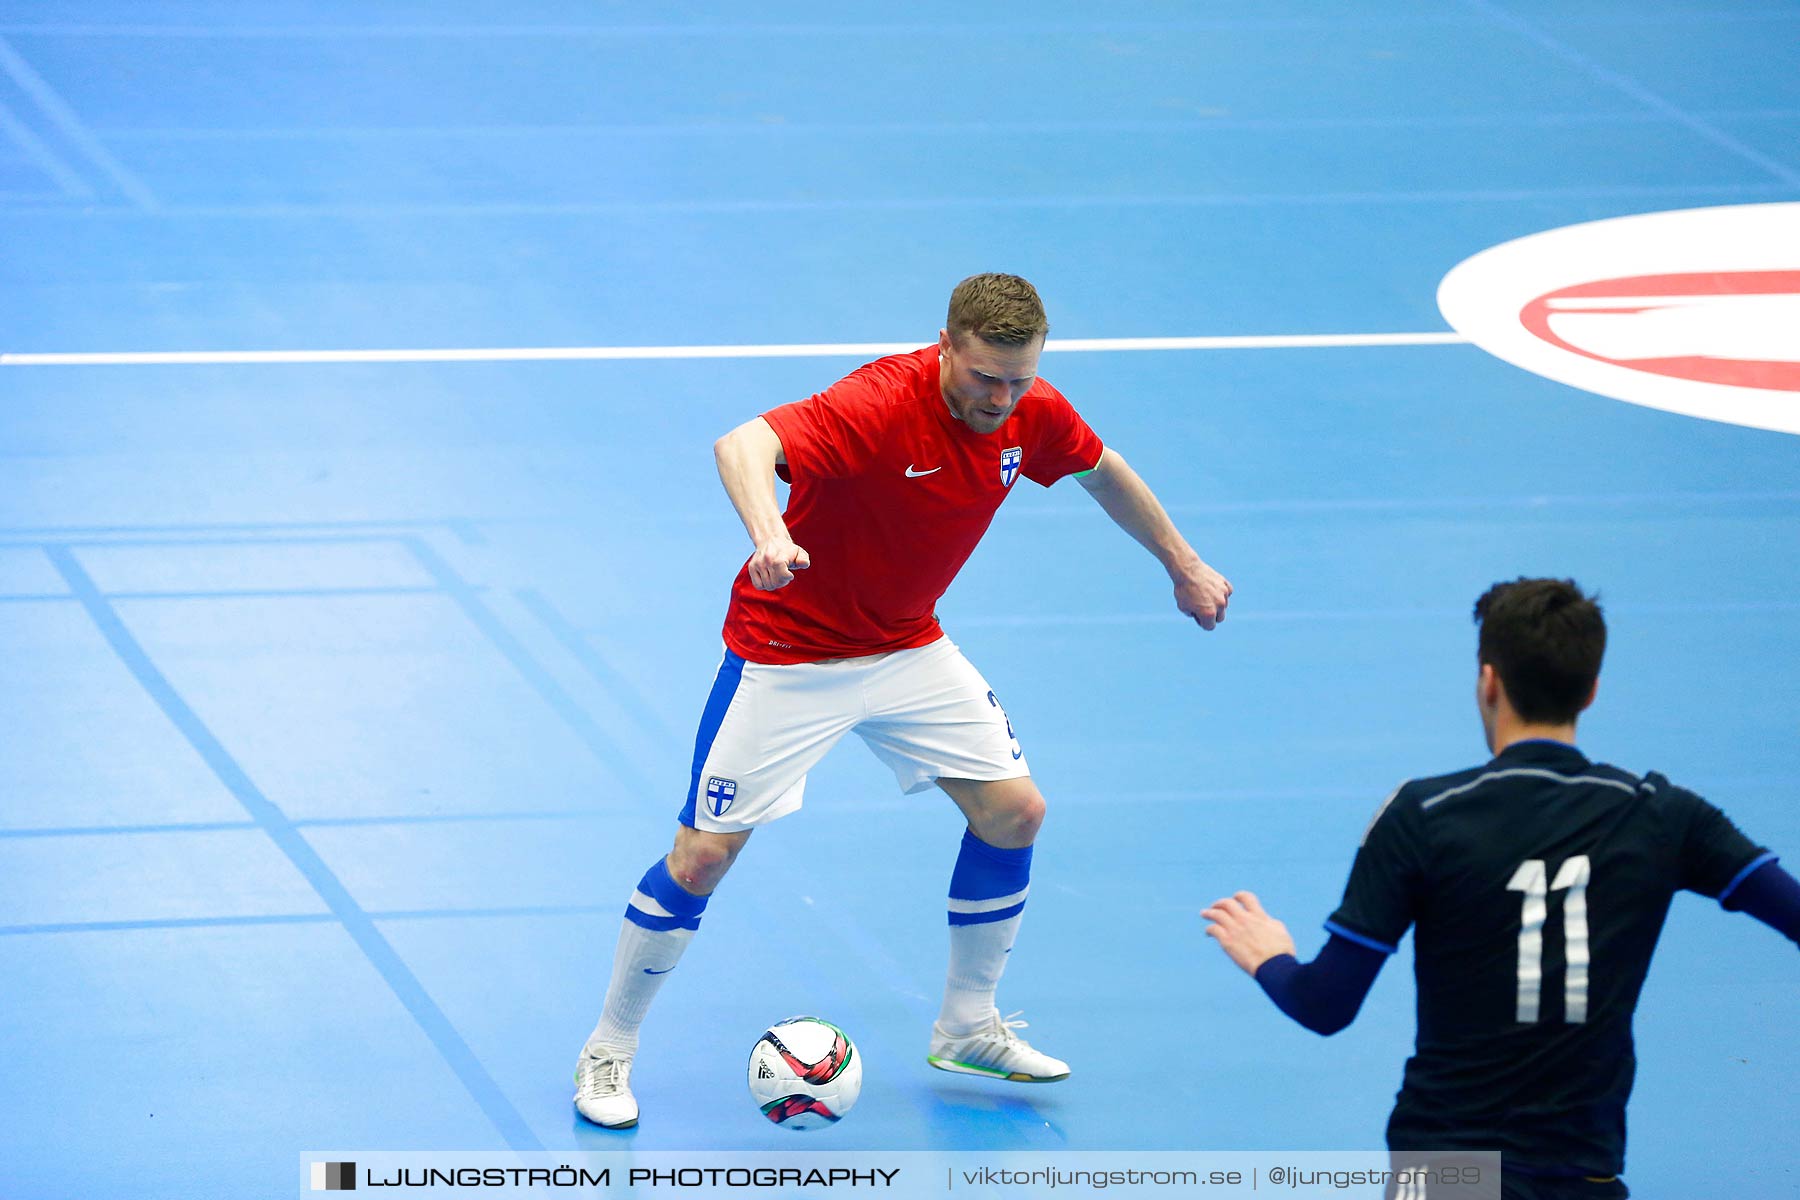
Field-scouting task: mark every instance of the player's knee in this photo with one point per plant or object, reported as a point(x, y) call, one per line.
point(699, 860)
point(1031, 814)
point(1021, 818)
point(700, 869)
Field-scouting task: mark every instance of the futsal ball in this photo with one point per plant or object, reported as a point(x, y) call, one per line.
point(804, 1073)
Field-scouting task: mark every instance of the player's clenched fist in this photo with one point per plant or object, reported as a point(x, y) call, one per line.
point(774, 563)
point(1202, 593)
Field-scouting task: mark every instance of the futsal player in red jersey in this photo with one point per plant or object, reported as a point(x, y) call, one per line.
point(896, 472)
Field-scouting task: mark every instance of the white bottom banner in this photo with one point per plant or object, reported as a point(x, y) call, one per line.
point(909, 1174)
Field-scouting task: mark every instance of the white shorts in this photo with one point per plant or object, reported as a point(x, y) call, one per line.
point(927, 713)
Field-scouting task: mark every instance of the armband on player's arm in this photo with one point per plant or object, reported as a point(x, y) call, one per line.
point(1325, 994)
point(1767, 892)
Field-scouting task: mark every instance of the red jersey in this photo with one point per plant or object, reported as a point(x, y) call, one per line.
point(891, 494)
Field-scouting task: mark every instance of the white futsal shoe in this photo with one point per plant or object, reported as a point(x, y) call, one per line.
point(603, 1091)
point(996, 1051)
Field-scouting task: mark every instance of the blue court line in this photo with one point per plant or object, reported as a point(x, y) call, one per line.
point(169, 923)
point(91, 830)
point(1545, 504)
point(744, 129)
point(1076, 798)
point(517, 910)
point(535, 675)
point(582, 651)
point(64, 118)
point(1224, 796)
point(258, 212)
point(1350, 615)
point(298, 851)
point(401, 819)
point(467, 597)
point(888, 29)
point(280, 593)
point(1633, 16)
point(112, 542)
point(1635, 90)
point(1334, 797)
point(245, 594)
point(451, 818)
point(67, 180)
point(467, 532)
point(721, 29)
point(419, 914)
point(1549, 504)
point(42, 533)
point(1685, 608)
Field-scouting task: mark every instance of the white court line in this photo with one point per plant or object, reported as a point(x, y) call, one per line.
point(797, 350)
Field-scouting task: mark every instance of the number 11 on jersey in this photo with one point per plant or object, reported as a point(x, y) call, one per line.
point(1531, 879)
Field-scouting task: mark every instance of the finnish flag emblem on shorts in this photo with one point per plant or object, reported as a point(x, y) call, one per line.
point(719, 795)
point(1009, 464)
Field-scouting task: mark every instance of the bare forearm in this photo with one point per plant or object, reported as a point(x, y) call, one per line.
point(1200, 592)
point(746, 458)
point(1133, 507)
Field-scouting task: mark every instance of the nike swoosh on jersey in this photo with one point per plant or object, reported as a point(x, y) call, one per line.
point(912, 474)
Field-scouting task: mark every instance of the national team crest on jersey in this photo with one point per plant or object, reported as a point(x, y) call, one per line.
point(719, 795)
point(1009, 464)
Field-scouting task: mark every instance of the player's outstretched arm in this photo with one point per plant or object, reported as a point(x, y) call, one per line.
point(1770, 895)
point(1325, 994)
point(747, 458)
point(1200, 592)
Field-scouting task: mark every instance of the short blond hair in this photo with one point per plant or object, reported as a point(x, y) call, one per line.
point(997, 308)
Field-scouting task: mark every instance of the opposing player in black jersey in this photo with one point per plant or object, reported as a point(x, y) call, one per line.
point(1538, 883)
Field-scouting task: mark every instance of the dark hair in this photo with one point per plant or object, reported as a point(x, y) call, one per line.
point(1545, 639)
point(1003, 309)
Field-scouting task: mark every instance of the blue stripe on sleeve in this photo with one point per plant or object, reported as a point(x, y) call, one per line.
point(1766, 856)
point(1359, 939)
point(1772, 896)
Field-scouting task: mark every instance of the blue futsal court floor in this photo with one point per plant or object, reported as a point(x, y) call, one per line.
point(344, 703)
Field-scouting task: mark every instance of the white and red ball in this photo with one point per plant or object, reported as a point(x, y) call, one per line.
point(805, 1073)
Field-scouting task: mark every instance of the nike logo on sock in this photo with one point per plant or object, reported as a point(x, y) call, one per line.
point(664, 971)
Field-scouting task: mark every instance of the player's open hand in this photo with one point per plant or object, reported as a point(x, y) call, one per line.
point(774, 563)
point(1201, 593)
point(1244, 931)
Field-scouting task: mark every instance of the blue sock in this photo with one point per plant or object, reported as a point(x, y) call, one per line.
point(660, 903)
point(987, 900)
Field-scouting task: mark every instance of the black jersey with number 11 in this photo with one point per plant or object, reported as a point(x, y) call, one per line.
point(1539, 883)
